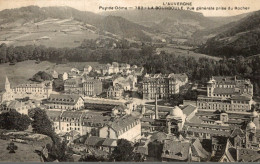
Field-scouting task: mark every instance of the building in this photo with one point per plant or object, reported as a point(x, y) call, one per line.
point(71, 121)
point(73, 86)
point(105, 144)
point(115, 92)
point(126, 127)
point(87, 69)
point(64, 101)
point(20, 106)
point(93, 122)
point(66, 121)
point(128, 82)
point(65, 76)
point(227, 86)
point(31, 90)
point(92, 87)
point(228, 94)
point(7, 94)
point(178, 149)
point(162, 85)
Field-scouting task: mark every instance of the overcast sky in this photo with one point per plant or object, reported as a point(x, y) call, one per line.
point(93, 5)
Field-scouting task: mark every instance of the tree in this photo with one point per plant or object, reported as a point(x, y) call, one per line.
point(41, 123)
point(14, 121)
point(41, 76)
point(58, 151)
point(11, 147)
point(58, 85)
point(123, 151)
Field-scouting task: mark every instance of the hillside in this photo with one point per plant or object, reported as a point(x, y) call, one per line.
point(174, 23)
point(124, 28)
point(237, 38)
point(61, 26)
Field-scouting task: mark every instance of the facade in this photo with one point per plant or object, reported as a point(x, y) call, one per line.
point(128, 83)
point(227, 86)
point(64, 101)
point(31, 90)
point(162, 85)
point(126, 127)
point(228, 94)
point(73, 86)
point(66, 121)
point(92, 87)
point(115, 92)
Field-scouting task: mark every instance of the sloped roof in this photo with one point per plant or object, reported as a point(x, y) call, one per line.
point(63, 99)
point(94, 141)
point(224, 90)
point(198, 150)
point(189, 109)
point(53, 115)
point(110, 142)
point(242, 97)
point(237, 131)
point(72, 114)
point(122, 123)
point(195, 119)
point(178, 150)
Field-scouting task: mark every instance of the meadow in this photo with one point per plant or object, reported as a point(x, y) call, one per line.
point(24, 153)
point(51, 33)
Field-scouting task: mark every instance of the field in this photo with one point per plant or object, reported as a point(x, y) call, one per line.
point(50, 32)
point(183, 52)
point(22, 71)
point(24, 153)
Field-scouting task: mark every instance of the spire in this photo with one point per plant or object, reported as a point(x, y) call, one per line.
point(7, 84)
point(6, 80)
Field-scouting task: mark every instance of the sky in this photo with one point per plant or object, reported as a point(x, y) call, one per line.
point(93, 5)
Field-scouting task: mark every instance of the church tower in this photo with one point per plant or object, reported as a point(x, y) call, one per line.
point(7, 85)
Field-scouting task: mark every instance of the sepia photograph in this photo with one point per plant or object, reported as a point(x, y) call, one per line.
point(129, 81)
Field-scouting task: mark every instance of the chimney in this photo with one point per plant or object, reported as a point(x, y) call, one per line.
point(156, 107)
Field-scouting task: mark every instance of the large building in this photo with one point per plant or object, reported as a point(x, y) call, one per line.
point(67, 121)
point(228, 94)
point(73, 86)
point(64, 101)
point(162, 85)
point(92, 87)
point(126, 127)
point(84, 86)
point(31, 90)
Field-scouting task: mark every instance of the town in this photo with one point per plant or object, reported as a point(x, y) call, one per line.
point(106, 107)
point(139, 81)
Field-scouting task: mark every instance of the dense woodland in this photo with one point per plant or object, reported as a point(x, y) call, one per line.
point(234, 39)
point(197, 70)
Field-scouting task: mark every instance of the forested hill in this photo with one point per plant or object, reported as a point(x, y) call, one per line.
point(237, 38)
point(11, 18)
point(19, 16)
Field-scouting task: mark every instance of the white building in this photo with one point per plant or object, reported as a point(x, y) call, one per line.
point(67, 102)
point(127, 127)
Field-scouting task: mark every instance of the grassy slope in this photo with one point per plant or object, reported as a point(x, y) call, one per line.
point(24, 153)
